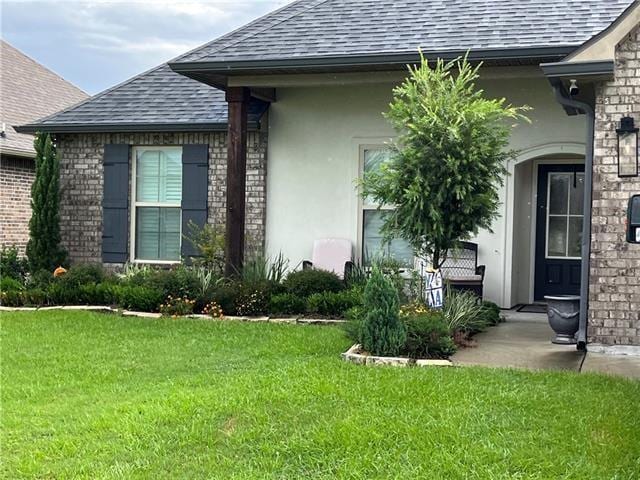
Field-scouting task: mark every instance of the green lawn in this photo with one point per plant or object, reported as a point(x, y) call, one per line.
point(100, 396)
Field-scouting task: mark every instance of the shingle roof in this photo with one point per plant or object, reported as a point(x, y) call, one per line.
point(161, 99)
point(158, 100)
point(28, 91)
point(312, 28)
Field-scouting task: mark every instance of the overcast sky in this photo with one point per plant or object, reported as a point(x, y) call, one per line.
point(98, 43)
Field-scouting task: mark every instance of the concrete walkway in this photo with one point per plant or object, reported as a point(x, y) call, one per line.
point(524, 341)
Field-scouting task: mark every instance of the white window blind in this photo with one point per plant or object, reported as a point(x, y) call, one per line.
point(158, 194)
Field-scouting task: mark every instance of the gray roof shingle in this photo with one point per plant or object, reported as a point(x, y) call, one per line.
point(27, 92)
point(161, 99)
point(315, 28)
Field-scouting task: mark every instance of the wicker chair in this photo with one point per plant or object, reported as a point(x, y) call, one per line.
point(461, 270)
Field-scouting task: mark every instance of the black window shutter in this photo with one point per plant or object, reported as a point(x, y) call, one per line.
point(195, 180)
point(115, 204)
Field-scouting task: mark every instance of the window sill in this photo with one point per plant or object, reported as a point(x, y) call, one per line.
point(156, 262)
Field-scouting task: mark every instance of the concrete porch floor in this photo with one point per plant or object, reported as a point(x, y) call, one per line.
point(524, 341)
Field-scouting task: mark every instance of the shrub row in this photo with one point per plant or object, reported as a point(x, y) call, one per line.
point(149, 289)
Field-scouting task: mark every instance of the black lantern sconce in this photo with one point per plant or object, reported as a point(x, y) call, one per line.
point(627, 148)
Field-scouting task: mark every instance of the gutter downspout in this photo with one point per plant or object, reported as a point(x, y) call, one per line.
point(564, 99)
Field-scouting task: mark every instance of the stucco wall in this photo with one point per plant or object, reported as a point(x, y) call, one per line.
point(81, 185)
point(614, 291)
point(523, 183)
point(16, 177)
point(314, 139)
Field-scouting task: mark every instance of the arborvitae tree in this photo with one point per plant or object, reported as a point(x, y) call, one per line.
point(43, 250)
point(382, 331)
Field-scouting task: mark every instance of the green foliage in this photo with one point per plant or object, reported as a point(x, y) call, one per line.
point(139, 298)
point(448, 160)
point(11, 292)
point(207, 279)
point(43, 248)
point(105, 293)
point(394, 270)
point(79, 286)
point(177, 281)
point(40, 279)
point(356, 276)
point(12, 298)
point(334, 304)
point(226, 294)
point(264, 269)
point(306, 282)
point(209, 242)
point(82, 274)
point(60, 293)
point(286, 304)
point(237, 298)
point(491, 313)
point(35, 297)
point(463, 312)
point(8, 284)
point(12, 265)
point(382, 331)
point(253, 299)
point(428, 336)
point(133, 270)
point(353, 326)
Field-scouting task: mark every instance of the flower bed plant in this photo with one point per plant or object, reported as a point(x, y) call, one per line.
point(177, 306)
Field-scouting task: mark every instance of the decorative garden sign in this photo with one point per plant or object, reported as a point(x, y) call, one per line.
point(433, 288)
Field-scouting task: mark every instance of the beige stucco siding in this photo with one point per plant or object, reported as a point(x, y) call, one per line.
point(313, 156)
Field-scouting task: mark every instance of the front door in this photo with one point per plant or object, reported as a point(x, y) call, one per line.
point(559, 230)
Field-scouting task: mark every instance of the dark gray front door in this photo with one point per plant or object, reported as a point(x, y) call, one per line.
point(559, 230)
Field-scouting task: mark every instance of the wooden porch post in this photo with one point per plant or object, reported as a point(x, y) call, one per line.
point(238, 99)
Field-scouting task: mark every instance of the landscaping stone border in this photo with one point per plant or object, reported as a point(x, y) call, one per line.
point(354, 355)
point(131, 313)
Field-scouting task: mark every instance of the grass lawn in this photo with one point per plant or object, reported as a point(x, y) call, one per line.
point(101, 396)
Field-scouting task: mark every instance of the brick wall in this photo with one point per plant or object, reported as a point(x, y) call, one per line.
point(614, 290)
point(81, 185)
point(16, 177)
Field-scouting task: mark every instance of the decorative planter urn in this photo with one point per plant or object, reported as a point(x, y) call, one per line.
point(563, 312)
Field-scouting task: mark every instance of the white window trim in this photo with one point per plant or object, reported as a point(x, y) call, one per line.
point(568, 216)
point(362, 205)
point(135, 204)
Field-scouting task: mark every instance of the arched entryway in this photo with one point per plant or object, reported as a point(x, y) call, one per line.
point(544, 212)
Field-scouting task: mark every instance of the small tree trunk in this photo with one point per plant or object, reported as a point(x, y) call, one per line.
point(436, 259)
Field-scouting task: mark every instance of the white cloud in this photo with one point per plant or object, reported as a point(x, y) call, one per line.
point(97, 43)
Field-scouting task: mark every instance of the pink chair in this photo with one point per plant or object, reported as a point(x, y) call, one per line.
point(331, 254)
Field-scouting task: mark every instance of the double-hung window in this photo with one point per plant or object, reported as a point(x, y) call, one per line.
point(373, 245)
point(156, 215)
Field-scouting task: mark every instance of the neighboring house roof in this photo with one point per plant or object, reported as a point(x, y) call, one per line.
point(28, 91)
point(331, 33)
point(158, 100)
